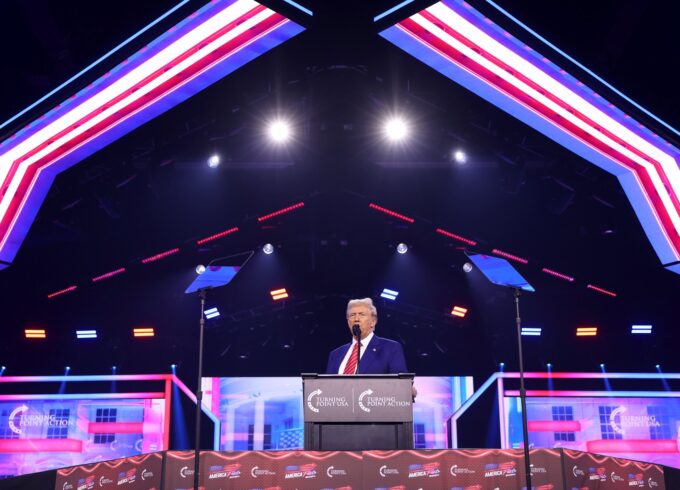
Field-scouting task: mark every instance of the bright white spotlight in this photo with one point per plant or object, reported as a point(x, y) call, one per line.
point(396, 129)
point(459, 156)
point(214, 161)
point(402, 248)
point(279, 131)
point(200, 269)
point(467, 267)
point(268, 248)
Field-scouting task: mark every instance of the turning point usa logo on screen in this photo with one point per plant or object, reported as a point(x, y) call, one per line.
point(300, 471)
point(429, 470)
point(224, 471)
point(503, 469)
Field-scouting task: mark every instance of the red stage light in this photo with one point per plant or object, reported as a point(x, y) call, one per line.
point(558, 274)
point(35, 333)
point(280, 212)
point(109, 274)
point(508, 256)
point(160, 256)
point(459, 311)
point(62, 291)
point(217, 235)
point(389, 212)
point(456, 237)
point(143, 332)
point(603, 291)
point(279, 294)
point(586, 331)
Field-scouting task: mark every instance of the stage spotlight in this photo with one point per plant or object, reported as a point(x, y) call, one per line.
point(173, 367)
point(532, 331)
point(114, 369)
point(467, 267)
point(459, 156)
point(389, 294)
point(211, 313)
point(602, 367)
point(641, 329)
point(279, 131)
point(200, 269)
point(402, 248)
point(68, 368)
point(2, 370)
point(268, 248)
point(658, 367)
point(501, 366)
point(549, 366)
point(395, 129)
point(214, 161)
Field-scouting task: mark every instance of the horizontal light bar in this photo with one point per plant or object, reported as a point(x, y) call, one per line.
point(279, 294)
point(143, 332)
point(532, 331)
point(389, 294)
point(641, 329)
point(280, 212)
point(62, 291)
point(558, 274)
point(389, 212)
point(160, 256)
point(86, 334)
point(509, 256)
point(108, 274)
point(217, 235)
point(586, 331)
point(456, 237)
point(459, 311)
point(601, 290)
point(211, 313)
point(35, 333)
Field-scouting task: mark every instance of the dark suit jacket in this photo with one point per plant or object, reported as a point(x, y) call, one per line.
point(381, 356)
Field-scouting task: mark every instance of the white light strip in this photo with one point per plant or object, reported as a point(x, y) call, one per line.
point(462, 26)
point(171, 52)
point(553, 86)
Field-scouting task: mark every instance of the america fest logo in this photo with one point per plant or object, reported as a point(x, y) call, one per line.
point(636, 480)
point(305, 471)
point(508, 468)
point(127, 476)
point(428, 470)
point(86, 483)
point(230, 471)
point(597, 473)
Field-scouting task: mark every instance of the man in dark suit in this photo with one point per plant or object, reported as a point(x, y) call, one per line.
point(377, 355)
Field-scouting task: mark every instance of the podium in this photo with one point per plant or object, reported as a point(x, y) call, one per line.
point(357, 412)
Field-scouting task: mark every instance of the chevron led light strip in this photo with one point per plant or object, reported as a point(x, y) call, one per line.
point(456, 40)
point(202, 49)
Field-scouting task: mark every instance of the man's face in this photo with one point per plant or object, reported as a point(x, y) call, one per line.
point(361, 315)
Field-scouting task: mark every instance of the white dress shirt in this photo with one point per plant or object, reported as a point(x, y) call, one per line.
point(364, 343)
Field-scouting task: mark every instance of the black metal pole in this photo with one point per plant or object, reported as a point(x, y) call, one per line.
point(199, 392)
point(522, 395)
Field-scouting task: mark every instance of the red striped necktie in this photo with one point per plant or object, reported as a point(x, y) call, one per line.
point(353, 360)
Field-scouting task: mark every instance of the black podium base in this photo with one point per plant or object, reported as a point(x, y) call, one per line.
point(358, 437)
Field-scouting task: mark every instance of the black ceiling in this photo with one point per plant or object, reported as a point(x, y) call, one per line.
point(152, 191)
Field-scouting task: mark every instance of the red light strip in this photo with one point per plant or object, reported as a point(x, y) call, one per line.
point(558, 274)
point(280, 212)
point(35, 333)
point(391, 213)
point(160, 256)
point(109, 274)
point(603, 291)
point(456, 237)
point(508, 256)
point(217, 235)
point(143, 332)
point(62, 291)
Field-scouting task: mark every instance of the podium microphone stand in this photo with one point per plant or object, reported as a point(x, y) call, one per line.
point(502, 273)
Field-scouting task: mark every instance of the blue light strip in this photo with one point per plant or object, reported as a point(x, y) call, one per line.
point(86, 334)
point(534, 331)
point(641, 329)
point(389, 294)
point(393, 9)
point(95, 63)
point(299, 7)
point(582, 67)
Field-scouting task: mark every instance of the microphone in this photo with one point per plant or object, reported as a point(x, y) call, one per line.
point(356, 330)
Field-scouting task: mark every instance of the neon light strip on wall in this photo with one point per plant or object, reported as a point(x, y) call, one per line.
point(208, 45)
point(460, 43)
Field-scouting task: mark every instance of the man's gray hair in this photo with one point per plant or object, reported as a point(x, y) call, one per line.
point(363, 302)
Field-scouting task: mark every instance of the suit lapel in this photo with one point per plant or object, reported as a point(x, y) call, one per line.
point(371, 353)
